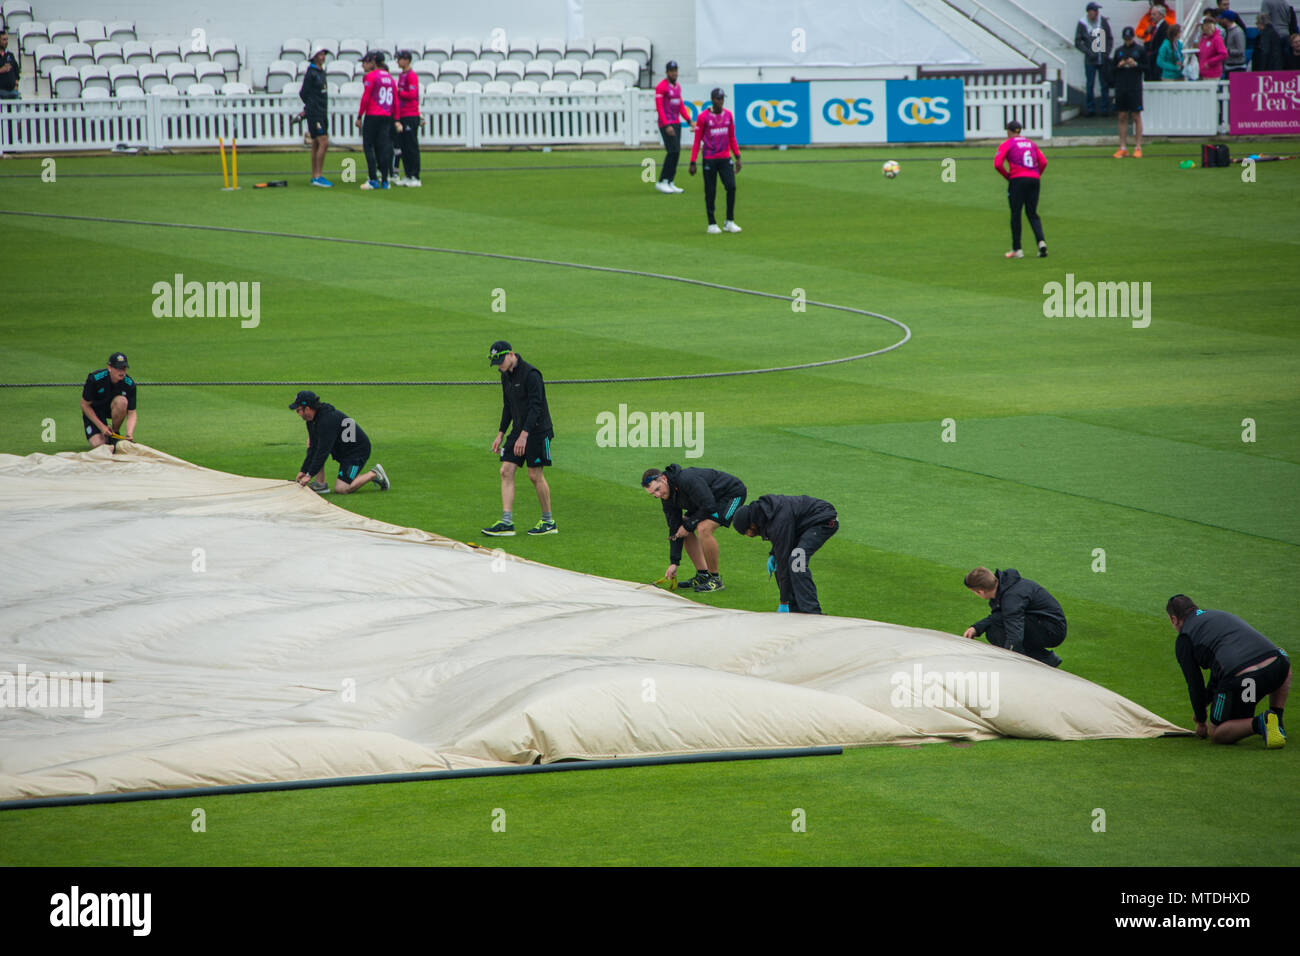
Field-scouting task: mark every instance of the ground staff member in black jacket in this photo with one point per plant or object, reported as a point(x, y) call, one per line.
point(330, 432)
point(797, 526)
point(1023, 617)
point(315, 101)
point(697, 501)
point(523, 405)
point(1244, 667)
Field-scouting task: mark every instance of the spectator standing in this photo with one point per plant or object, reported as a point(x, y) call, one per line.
point(1128, 92)
point(1212, 53)
point(1094, 39)
point(9, 69)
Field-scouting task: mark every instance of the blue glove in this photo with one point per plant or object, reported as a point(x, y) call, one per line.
point(783, 609)
point(771, 566)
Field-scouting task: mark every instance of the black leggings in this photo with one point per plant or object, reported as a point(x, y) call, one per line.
point(672, 149)
point(409, 145)
point(713, 169)
point(1023, 193)
point(377, 141)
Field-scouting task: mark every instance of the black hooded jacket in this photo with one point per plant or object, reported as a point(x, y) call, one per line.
point(1016, 598)
point(693, 495)
point(782, 520)
point(325, 436)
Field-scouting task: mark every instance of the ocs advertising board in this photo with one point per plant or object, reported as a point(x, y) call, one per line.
point(851, 111)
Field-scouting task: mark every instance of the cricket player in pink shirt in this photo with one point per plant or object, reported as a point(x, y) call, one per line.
point(375, 118)
point(1021, 163)
point(715, 130)
point(409, 120)
point(672, 110)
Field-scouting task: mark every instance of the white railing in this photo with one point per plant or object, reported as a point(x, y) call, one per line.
point(1035, 51)
point(990, 108)
point(1179, 108)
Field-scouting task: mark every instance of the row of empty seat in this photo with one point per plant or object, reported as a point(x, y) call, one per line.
point(138, 52)
point(166, 89)
point(469, 49)
point(283, 72)
point(68, 81)
point(65, 31)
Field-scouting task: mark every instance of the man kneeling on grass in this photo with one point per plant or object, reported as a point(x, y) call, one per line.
point(697, 502)
point(1244, 667)
point(1023, 617)
point(330, 432)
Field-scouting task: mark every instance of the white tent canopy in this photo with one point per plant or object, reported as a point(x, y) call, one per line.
point(248, 631)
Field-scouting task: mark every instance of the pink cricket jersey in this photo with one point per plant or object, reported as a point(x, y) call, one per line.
point(669, 103)
point(380, 95)
point(408, 95)
point(1026, 159)
point(717, 131)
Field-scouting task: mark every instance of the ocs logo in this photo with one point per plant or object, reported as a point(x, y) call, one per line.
point(774, 114)
point(924, 110)
point(694, 108)
point(839, 112)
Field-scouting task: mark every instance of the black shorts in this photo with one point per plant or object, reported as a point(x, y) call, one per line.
point(348, 470)
point(1236, 697)
point(317, 126)
point(537, 451)
point(92, 429)
point(1128, 101)
point(726, 511)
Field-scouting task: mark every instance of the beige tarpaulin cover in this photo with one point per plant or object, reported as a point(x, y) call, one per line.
point(249, 631)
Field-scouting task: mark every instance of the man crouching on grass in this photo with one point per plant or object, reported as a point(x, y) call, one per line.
point(1244, 667)
point(330, 432)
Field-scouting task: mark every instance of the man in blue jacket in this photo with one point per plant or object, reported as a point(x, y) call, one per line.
point(1023, 617)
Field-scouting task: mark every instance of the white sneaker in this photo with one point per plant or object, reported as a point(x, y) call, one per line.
point(730, 226)
point(395, 179)
point(413, 182)
point(713, 229)
point(370, 184)
point(673, 187)
point(663, 187)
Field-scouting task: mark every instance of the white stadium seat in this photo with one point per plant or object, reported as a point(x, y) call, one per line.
point(123, 77)
point(165, 89)
point(353, 48)
point(340, 71)
point(294, 50)
point(439, 88)
point(413, 46)
point(137, 52)
point(151, 75)
point(91, 31)
point(121, 31)
point(200, 89)
point(234, 89)
point(567, 70)
point(16, 13)
point(210, 72)
point(510, 70)
point(226, 52)
point(469, 86)
point(493, 49)
point(130, 93)
point(95, 93)
point(165, 51)
point(525, 88)
point(94, 76)
point(496, 88)
point(539, 71)
point(280, 74)
point(582, 86)
point(181, 75)
point(466, 49)
point(331, 48)
point(351, 89)
point(48, 56)
point(426, 70)
point(190, 55)
point(78, 54)
point(611, 48)
point(63, 32)
point(109, 53)
point(580, 49)
point(638, 49)
point(65, 82)
point(300, 68)
point(385, 45)
point(551, 87)
point(482, 71)
point(550, 48)
point(627, 70)
point(595, 69)
point(32, 34)
point(612, 85)
point(453, 71)
point(522, 49)
point(331, 89)
point(438, 49)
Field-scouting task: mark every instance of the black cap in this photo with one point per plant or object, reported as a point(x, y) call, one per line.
point(117, 360)
point(717, 91)
point(500, 349)
point(1013, 125)
point(741, 520)
point(1128, 33)
point(1093, 6)
point(670, 65)
point(306, 398)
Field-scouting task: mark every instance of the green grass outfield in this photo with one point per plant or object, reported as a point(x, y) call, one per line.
point(1072, 434)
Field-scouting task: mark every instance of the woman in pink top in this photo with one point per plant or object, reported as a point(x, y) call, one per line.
point(1211, 50)
point(408, 121)
point(1021, 163)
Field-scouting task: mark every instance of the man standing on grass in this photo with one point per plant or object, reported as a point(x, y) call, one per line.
point(108, 403)
point(1023, 617)
point(527, 443)
point(1244, 665)
point(797, 526)
point(715, 130)
point(1021, 163)
point(330, 432)
point(315, 102)
point(672, 110)
point(1128, 93)
point(696, 502)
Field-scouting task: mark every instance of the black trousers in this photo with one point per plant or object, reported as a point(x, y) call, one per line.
point(672, 149)
point(377, 141)
point(804, 600)
point(1022, 192)
point(713, 170)
point(1041, 634)
point(408, 146)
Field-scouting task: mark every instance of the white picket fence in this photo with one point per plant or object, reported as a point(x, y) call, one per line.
point(990, 108)
point(1180, 108)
